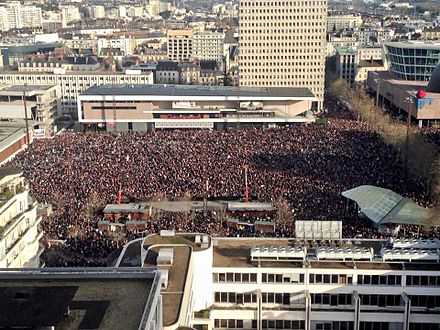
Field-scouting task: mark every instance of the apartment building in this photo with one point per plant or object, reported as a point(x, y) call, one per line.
point(125, 45)
point(19, 224)
point(283, 43)
point(69, 14)
point(14, 15)
point(337, 22)
point(179, 45)
point(98, 12)
point(72, 84)
point(42, 103)
point(260, 283)
point(208, 45)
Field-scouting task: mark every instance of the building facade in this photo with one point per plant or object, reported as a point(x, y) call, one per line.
point(208, 45)
point(412, 60)
point(179, 45)
point(19, 224)
point(14, 15)
point(337, 22)
point(74, 83)
point(42, 104)
point(283, 43)
point(251, 283)
point(147, 107)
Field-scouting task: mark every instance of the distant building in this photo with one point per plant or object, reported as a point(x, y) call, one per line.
point(283, 44)
point(337, 22)
point(208, 45)
point(20, 234)
point(167, 72)
point(143, 108)
point(412, 60)
point(125, 46)
point(59, 66)
point(98, 12)
point(69, 14)
point(431, 33)
point(17, 16)
point(81, 298)
point(179, 45)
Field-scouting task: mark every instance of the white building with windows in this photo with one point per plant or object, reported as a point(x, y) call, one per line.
point(14, 15)
point(72, 84)
point(253, 283)
point(208, 45)
point(20, 234)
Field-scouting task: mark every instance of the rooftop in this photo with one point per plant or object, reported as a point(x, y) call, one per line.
point(414, 44)
point(96, 298)
point(199, 90)
point(10, 132)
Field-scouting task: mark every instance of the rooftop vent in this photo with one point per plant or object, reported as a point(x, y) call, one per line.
point(167, 233)
point(278, 253)
point(165, 257)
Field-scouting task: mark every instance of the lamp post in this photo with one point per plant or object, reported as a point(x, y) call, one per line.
point(409, 100)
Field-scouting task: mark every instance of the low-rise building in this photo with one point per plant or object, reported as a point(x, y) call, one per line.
point(20, 234)
point(59, 66)
point(145, 107)
point(419, 99)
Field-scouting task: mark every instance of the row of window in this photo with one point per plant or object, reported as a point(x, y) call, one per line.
point(331, 299)
point(251, 298)
point(235, 277)
point(267, 324)
point(422, 280)
point(330, 279)
point(379, 280)
point(282, 278)
point(335, 325)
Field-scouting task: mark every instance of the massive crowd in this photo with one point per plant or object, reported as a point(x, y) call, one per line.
point(309, 166)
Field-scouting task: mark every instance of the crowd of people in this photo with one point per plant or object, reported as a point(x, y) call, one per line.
point(308, 166)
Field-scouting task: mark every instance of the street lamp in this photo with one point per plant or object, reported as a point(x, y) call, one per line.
point(409, 101)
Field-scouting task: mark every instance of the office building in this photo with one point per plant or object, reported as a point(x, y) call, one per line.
point(412, 60)
point(179, 45)
point(73, 83)
point(80, 298)
point(260, 283)
point(353, 64)
point(283, 44)
point(208, 45)
point(337, 22)
point(42, 103)
point(145, 107)
point(20, 234)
